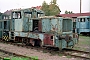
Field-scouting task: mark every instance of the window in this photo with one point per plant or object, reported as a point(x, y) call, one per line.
point(88, 19)
point(51, 37)
point(9, 17)
point(35, 25)
point(74, 20)
point(5, 24)
point(39, 15)
point(81, 20)
point(27, 15)
point(4, 17)
point(16, 15)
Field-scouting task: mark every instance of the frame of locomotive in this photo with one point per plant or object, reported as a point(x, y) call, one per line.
point(30, 26)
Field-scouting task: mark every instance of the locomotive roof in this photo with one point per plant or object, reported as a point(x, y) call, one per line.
point(54, 17)
point(83, 16)
point(3, 14)
point(28, 10)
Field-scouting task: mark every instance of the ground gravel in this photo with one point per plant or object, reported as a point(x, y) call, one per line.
point(32, 52)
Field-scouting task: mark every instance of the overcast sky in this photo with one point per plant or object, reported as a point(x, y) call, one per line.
point(70, 5)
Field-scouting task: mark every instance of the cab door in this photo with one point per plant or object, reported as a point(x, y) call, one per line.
point(48, 39)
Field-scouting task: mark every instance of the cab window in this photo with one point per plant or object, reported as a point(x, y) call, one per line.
point(81, 20)
point(16, 15)
point(28, 14)
point(88, 19)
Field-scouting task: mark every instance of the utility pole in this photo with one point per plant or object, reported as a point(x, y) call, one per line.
point(80, 6)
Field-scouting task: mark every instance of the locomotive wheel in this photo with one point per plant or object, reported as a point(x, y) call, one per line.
point(40, 44)
point(33, 43)
point(27, 41)
point(36, 43)
point(23, 40)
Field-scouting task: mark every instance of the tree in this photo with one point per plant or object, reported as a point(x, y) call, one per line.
point(68, 12)
point(53, 1)
point(45, 8)
point(51, 9)
point(72, 12)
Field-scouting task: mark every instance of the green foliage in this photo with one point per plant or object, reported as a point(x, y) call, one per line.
point(51, 9)
point(21, 58)
point(68, 12)
point(53, 2)
point(45, 7)
point(44, 51)
point(69, 56)
point(61, 54)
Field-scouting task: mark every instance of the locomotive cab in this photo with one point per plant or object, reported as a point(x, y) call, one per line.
point(22, 21)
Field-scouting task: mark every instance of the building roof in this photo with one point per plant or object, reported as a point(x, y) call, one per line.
point(74, 15)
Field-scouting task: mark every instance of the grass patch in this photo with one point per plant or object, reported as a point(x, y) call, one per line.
point(77, 48)
point(44, 51)
point(84, 40)
point(20, 58)
point(60, 54)
point(69, 56)
point(83, 44)
point(53, 53)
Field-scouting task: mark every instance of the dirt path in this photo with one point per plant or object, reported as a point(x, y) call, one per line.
point(31, 52)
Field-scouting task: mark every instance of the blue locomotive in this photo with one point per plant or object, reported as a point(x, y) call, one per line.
point(4, 24)
point(30, 26)
point(83, 25)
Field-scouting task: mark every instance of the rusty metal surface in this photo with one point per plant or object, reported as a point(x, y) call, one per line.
point(30, 35)
point(28, 23)
point(48, 40)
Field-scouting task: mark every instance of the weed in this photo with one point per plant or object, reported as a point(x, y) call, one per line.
point(60, 54)
point(44, 51)
point(69, 56)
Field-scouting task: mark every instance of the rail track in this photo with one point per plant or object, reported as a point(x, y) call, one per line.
point(77, 53)
point(66, 52)
point(14, 56)
point(11, 55)
point(8, 54)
